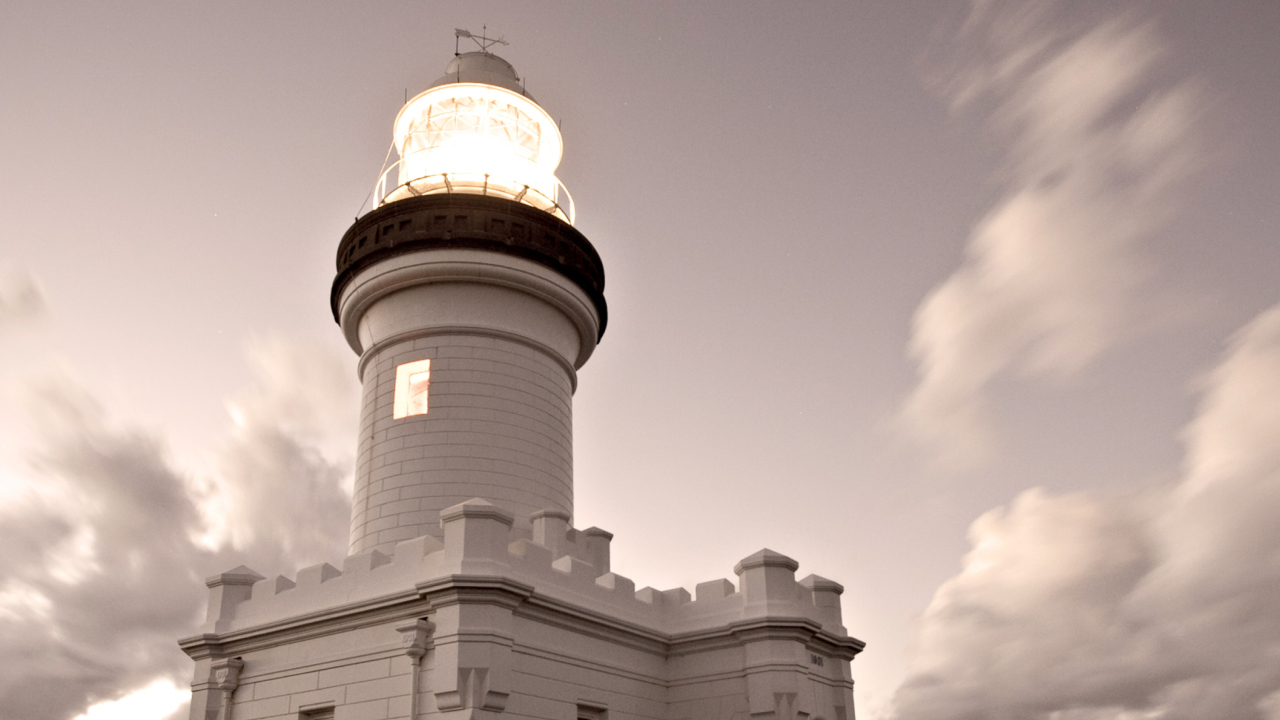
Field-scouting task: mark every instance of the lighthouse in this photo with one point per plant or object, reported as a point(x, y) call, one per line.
point(472, 301)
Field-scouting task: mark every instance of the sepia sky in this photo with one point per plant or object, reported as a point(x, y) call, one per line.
point(972, 308)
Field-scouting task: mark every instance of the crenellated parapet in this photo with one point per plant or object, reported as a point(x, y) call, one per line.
point(458, 604)
point(556, 561)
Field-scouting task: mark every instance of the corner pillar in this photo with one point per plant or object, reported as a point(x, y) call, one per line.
point(476, 537)
point(471, 677)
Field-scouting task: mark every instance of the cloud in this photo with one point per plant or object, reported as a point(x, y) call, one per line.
point(160, 699)
point(105, 540)
point(284, 468)
point(97, 563)
point(1102, 607)
point(1095, 150)
point(21, 298)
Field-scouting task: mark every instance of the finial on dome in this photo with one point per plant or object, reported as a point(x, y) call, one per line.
point(480, 65)
point(484, 42)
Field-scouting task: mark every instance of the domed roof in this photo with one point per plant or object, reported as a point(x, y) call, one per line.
point(481, 67)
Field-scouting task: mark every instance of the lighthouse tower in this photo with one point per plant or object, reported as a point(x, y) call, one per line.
point(472, 301)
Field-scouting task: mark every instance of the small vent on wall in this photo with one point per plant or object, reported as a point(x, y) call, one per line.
point(592, 712)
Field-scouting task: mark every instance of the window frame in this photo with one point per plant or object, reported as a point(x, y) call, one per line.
point(404, 405)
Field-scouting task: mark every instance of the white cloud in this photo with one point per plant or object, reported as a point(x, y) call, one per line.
point(1051, 274)
point(1092, 606)
point(281, 475)
point(304, 389)
point(160, 699)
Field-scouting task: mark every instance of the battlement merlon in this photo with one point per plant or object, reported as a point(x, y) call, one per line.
point(564, 566)
point(226, 591)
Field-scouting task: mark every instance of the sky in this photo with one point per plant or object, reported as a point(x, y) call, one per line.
point(971, 307)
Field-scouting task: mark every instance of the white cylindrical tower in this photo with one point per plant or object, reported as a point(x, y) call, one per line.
point(471, 301)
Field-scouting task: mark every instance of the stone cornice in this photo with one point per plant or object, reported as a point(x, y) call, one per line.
point(314, 624)
point(589, 622)
point(454, 589)
point(764, 628)
point(459, 221)
point(527, 602)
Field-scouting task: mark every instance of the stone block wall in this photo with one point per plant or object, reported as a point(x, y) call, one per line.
point(499, 425)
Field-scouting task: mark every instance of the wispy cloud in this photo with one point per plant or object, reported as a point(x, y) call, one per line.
point(1094, 150)
point(282, 472)
point(104, 538)
point(1103, 607)
point(21, 297)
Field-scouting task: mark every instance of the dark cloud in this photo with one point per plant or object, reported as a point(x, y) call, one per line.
point(1101, 607)
point(101, 549)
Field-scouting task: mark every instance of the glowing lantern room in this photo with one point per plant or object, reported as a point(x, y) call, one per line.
point(475, 130)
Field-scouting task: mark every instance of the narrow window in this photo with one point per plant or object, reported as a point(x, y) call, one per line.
point(412, 383)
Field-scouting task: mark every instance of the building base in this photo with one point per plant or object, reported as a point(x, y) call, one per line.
point(495, 622)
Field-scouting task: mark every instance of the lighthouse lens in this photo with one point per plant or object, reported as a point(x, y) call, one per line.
point(476, 138)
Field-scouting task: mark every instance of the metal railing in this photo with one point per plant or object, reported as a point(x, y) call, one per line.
point(559, 203)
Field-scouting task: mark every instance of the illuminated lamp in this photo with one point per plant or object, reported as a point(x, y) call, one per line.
point(476, 131)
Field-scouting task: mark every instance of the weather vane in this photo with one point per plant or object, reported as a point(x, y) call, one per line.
point(484, 42)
